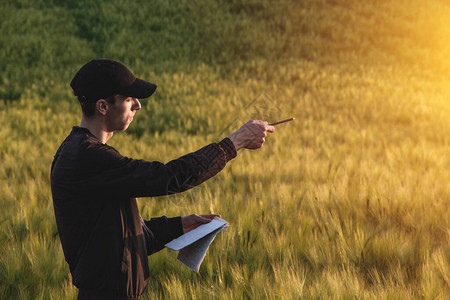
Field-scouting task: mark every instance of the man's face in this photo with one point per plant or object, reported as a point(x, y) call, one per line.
point(121, 113)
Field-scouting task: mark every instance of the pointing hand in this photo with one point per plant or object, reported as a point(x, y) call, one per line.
point(251, 135)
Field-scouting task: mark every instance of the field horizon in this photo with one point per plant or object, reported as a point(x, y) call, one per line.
point(349, 201)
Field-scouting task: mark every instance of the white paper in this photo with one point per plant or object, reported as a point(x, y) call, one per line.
point(194, 244)
point(195, 234)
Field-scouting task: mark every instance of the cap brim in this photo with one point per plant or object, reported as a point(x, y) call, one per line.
point(139, 89)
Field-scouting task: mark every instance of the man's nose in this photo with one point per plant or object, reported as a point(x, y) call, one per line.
point(136, 104)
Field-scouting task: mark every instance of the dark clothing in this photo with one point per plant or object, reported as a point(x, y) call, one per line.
point(104, 239)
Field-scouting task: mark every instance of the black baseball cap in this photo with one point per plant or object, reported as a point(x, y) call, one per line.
point(102, 78)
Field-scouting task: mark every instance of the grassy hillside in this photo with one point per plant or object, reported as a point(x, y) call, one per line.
point(351, 200)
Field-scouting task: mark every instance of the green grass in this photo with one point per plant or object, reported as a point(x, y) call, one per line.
point(351, 200)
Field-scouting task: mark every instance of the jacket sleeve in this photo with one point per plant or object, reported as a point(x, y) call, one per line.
point(107, 170)
point(160, 231)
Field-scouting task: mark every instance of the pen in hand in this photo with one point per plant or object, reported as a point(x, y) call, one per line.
point(283, 121)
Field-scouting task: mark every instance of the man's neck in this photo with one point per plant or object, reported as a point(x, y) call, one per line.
point(97, 128)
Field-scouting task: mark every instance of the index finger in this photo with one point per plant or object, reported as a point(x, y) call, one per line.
point(269, 128)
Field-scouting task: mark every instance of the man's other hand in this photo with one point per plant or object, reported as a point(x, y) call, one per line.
point(193, 221)
point(251, 135)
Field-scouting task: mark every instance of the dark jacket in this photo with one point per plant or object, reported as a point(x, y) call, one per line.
point(104, 239)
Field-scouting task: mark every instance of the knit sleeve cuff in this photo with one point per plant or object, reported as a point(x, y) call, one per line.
point(175, 227)
point(165, 229)
point(227, 145)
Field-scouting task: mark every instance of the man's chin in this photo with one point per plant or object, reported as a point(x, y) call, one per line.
point(123, 128)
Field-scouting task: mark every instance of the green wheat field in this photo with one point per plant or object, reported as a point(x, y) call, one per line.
point(349, 201)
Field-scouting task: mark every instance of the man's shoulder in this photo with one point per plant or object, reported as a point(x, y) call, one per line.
point(93, 151)
point(84, 147)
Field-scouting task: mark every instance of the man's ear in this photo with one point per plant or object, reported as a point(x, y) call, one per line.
point(101, 106)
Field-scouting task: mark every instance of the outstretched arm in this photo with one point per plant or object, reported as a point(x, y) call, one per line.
point(117, 175)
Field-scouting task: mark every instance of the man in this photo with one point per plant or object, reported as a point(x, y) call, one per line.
point(94, 188)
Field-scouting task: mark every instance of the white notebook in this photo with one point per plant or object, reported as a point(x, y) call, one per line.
point(194, 244)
